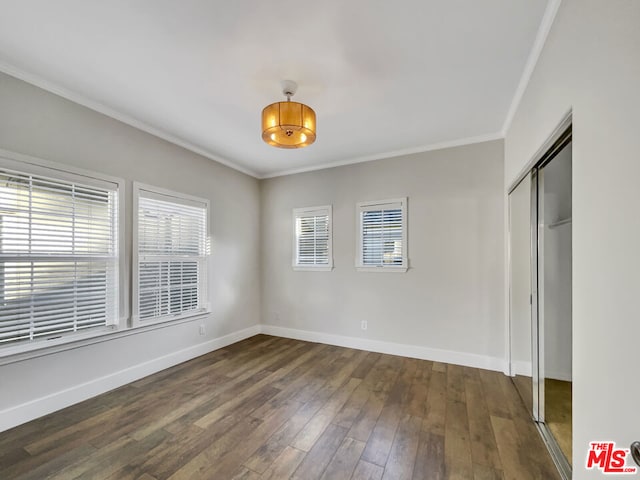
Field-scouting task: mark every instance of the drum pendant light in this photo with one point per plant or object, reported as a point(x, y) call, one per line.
point(288, 124)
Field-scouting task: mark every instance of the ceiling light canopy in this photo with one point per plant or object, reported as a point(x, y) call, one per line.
point(288, 124)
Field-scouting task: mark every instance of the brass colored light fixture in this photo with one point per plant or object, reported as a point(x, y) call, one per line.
point(288, 124)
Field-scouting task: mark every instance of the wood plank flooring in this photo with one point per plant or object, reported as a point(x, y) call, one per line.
point(274, 408)
point(558, 406)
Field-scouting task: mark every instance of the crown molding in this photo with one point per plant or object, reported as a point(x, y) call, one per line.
point(534, 55)
point(75, 97)
point(541, 37)
point(96, 106)
point(396, 153)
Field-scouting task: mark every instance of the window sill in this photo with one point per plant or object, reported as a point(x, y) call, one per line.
point(309, 268)
point(19, 353)
point(138, 323)
point(382, 269)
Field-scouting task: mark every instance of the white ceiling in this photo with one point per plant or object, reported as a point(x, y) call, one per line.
point(384, 77)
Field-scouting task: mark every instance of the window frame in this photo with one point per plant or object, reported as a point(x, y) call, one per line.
point(367, 206)
point(67, 173)
point(308, 212)
point(203, 283)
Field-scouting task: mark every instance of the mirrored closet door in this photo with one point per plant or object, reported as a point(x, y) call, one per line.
point(540, 217)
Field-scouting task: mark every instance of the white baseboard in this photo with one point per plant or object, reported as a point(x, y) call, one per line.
point(524, 369)
point(36, 408)
point(404, 350)
point(33, 409)
point(521, 368)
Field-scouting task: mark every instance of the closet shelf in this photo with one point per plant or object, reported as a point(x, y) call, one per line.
point(564, 221)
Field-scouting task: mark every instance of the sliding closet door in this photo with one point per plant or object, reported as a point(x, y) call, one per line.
point(554, 336)
point(537, 292)
point(540, 316)
point(520, 288)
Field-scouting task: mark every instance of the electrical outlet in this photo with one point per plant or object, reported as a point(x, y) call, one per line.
point(201, 329)
point(363, 325)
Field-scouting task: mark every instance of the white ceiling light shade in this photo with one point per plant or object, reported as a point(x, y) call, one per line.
point(288, 124)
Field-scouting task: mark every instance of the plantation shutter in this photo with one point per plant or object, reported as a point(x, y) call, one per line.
point(312, 237)
point(382, 235)
point(172, 236)
point(58, 256)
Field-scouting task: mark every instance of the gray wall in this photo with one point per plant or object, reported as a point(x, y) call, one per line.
point(590, 64)
point(452, 297)
point(41, 124)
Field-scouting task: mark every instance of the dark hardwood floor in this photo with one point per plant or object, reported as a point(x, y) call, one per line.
point(275, 408)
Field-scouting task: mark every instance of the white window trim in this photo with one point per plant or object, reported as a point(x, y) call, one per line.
point(371, 205)
point(135, 320)
point(88, 338)
point(38, 166)
point(297, 212)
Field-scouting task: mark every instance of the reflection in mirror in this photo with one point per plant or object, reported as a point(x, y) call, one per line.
point(557, 316)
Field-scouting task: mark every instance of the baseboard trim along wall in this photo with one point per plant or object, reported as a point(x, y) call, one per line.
point(524, 369)
point(36, 408)
point(521, 368)
point(403, 350)
point(26, 412)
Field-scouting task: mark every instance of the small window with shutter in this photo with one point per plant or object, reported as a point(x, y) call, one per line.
point(171, 248)
point(312, 242)
point(382, 236)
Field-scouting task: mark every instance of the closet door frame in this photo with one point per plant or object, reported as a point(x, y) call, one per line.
point(537, 296)
point(560, 137)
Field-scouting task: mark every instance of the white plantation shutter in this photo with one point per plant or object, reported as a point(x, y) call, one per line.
point(58, 256)
point(312, 238)
point(382, 239)
point(171, 250)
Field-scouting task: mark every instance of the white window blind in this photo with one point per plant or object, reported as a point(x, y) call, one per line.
point(312, 238)
point(58, 256)
point(172, 252)
point(382, 240)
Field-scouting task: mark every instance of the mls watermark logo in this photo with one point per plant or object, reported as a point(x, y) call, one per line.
point(609, 459)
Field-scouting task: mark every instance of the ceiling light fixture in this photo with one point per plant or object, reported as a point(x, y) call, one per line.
point(288, 124)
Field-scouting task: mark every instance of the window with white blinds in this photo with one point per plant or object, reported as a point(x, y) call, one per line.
point(312, 238)
point(58, 254)
point(382, 239)
point(171, 245)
